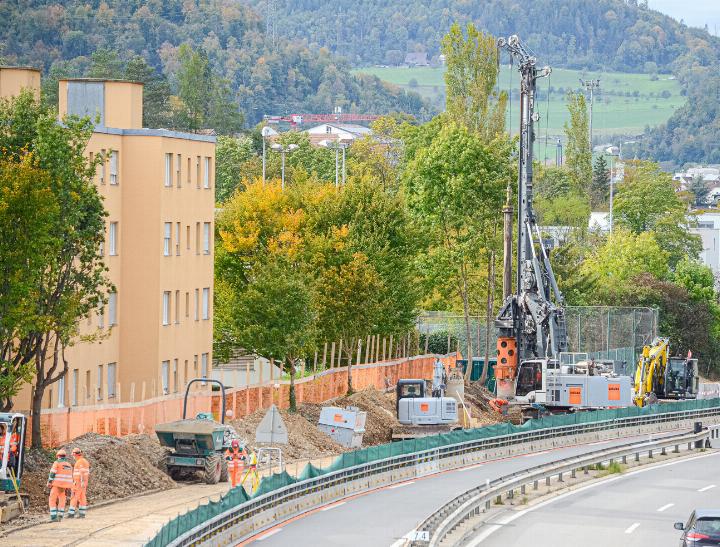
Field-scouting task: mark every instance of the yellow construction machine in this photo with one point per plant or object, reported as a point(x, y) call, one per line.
point(659, 376)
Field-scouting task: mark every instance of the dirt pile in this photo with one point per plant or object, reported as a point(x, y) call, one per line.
point(119, 467)
point(476, 398)
point(380, 408)
point(305, 440)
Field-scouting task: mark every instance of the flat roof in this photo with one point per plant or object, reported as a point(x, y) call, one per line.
point(103, 80)
point(146, 132)
point(19, 67)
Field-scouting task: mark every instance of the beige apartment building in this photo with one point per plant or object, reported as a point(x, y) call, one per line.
point(158, 190)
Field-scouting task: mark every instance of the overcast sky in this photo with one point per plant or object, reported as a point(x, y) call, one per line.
point(695, 13)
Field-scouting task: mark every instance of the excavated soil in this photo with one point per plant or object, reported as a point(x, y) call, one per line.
point(119, 467)
point(305, 440)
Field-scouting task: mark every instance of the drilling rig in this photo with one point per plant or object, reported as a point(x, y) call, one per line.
point(533, 367)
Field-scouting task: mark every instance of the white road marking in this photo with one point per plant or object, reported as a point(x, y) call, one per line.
point(270, 533)
point(630, 529)
point(535, 453)
point(508, 519)
point(333, 506)
point(706, 488)
point(668, 506)
point(471, 467)
point(598, 442)
point(401, 485)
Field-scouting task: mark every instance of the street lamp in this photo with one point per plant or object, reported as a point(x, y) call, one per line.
point(284, 150)
point(266, 132)
point(337, 146)
point(613, 153)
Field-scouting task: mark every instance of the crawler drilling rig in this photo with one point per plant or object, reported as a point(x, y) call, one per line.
point(532, 367)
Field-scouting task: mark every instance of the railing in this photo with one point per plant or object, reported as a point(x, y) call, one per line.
point(256, 515)
point(439, 525)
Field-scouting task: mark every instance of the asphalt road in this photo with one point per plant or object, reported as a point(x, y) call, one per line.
point(635, 509)
point(384, 516)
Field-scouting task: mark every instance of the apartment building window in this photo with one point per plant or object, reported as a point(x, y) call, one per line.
point(197, 173)
point(111, 380)
point(195, 366)
point(61, 392)
point(100, 383)
point(187, 237)
point(206, 238)
point(88, 392)
point(167, 238)
point(177, 238)
point(74, 387)
point(197, 238)
point(113, 239)
point(178, 180)
point(177, 307)
point(102, 166)
point(185, 372)
point(166, 308)
point(197, 306)
point(112, 308)
point(165, 376)
point(175, 376)
point(206, 303)
point(204, 365)
point(101, 317)
point(168, 170)
point(206, 173)
point(114, 179)
point(187, 304)
point(189, 170)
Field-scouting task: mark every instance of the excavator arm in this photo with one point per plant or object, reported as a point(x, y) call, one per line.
point(650, 372)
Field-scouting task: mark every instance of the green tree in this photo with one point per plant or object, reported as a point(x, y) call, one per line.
point(194, 79)
point(578, 151)
point(231, 153)
point(552, 182)
point(600, 188)
point(26, 201)
point(74, 280)
point(105, 64)
point(156, 93)
point(456, 188)
point(647, 200)
point(471, 75)
point(274, 317)
point(699, 190)
point(568, 210)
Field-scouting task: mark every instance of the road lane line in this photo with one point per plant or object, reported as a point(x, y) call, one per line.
point(333, 506)
point(400, 485)
point(668, 506)
point(631, 528)
point(491, 529)
point(598, 442)
point(706, 488)
point(536, 453)
point(270, 533)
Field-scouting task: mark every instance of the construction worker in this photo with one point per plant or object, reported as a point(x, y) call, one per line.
point(60, 480)
point(14, 447)
point(81, 476)
point(235, 458)
point(251, 463)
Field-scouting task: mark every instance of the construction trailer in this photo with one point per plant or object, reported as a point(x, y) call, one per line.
point(12, 502)
point(532, 336)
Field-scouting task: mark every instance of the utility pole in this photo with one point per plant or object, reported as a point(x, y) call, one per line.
point(591, 85)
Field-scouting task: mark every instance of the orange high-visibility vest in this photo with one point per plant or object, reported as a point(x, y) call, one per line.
point(81, 472)
point(14, 442)
point(61, 474)
point(233, 458)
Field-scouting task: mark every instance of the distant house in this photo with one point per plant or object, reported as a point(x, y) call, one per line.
point(345, 132)
point(417, 58)
point(599, 222)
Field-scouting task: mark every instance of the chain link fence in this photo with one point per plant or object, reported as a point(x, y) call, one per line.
point(604, 332)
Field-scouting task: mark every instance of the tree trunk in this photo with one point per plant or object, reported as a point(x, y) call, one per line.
point(466, 315)
point(490, 308)
point(37, 397)
point(293, 403)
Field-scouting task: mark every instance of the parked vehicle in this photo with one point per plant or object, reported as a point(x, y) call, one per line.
point(702, 528)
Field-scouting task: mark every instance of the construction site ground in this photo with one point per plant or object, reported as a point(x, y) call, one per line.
point(128, 493)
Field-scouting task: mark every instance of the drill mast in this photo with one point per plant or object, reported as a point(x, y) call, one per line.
point(534, 314)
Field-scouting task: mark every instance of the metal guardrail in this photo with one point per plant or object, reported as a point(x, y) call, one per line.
point(444, 521)
point(338, 484)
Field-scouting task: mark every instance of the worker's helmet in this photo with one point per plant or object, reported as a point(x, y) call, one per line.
point(235, 443)
point(61, 453)
point(77, 451)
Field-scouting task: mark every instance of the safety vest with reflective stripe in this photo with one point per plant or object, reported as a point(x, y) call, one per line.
point(61, 474)
point(234, 459)
point(81, 472)
point(14, 442)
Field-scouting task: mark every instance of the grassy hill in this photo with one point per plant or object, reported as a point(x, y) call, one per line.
point(625, 105)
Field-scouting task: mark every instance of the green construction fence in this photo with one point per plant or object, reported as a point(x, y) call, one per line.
point(183, 523)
